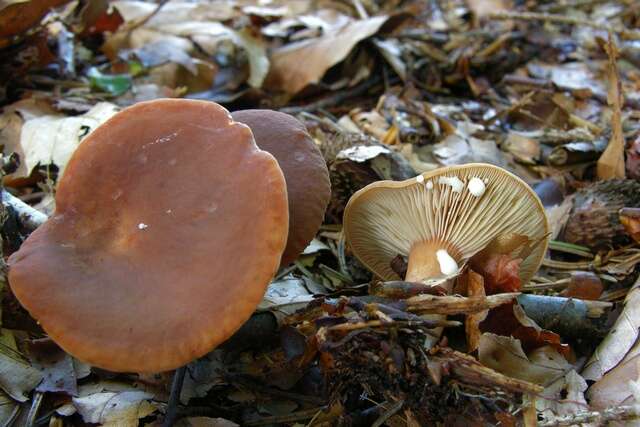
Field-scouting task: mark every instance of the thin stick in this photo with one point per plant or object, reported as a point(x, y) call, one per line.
point(562, 19)
point(29, 217)
point(174, 398)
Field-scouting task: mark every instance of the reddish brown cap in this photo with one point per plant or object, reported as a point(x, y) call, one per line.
point(170, 223)
point(304, 169)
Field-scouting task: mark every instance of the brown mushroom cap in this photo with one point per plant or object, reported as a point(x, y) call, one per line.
point(304, 168)
point(169, 225)
point(388, 218)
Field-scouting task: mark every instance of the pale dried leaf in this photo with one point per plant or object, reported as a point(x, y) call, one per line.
point(257, 55)
point(297, 65)
point(52, 138)
point(552, 403)
point(115, 408)
point(620, 339)
point(17, 376)
point(618, 386)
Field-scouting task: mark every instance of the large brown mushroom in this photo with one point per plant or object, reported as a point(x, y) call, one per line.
point(440, 219)
point(169, 225)
point(304, 168)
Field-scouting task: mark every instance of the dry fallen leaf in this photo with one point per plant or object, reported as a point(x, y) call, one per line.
point(621, 338)
point(40, 137)
point(564, 396)
point(619, 386)
point(115, 409)
point(299, 64)
point(17, 377)
point(611, 162)
point(505, 355)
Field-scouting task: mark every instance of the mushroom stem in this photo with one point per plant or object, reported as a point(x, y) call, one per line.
point(430, 261)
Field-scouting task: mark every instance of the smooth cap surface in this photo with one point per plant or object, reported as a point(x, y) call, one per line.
point(304, 168)
point(464, 208)
point(170, 223)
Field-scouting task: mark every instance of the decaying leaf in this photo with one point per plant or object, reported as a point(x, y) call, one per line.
point(59, 375)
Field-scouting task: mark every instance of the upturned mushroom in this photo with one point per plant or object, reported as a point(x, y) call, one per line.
point(170, 223)
point(304, 168)
point(440, 220)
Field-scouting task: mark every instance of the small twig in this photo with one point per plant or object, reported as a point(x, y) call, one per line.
point(35, 407)
point(457, 305)
point(431, 324)
point(615, 413)
point(388, 413)
point(563, 19)
point(13, 417)
point(29, 217)
point(174, 397)
point(304, 414)
point(564, 265)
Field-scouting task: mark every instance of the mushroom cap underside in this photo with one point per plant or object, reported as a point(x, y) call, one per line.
point(304, 169)
point(464, 207)
point(169, 225)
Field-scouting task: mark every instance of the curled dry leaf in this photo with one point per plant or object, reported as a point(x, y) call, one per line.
point(505, 355)
point(317, 55)
point(620, 340)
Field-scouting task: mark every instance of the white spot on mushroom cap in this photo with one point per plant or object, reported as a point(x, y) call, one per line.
point(448, 265)
point(453, 181)
point(142, 226)
point(420, 179)
point(476, 187)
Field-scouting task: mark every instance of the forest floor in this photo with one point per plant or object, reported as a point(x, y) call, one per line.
point(547, 90)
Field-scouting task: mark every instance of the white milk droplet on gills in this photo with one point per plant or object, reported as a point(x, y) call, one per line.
point(420, 179)
point(476, 187)
point(453, 181)
point(448, 265)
